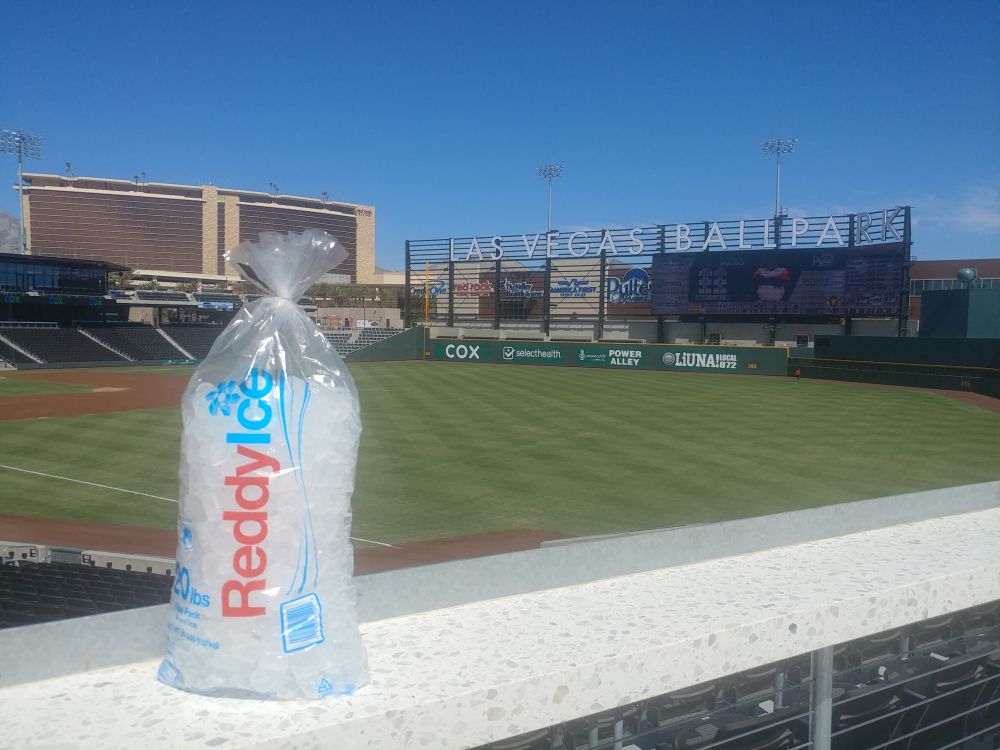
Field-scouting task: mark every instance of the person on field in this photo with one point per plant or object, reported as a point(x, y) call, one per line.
point(798, 373)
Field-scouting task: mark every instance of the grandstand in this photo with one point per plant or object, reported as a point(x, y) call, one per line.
point(137, 341)
point(59, 345)
point(195, 339)
point(348, 341)
point(97, 343)
point(34, 592)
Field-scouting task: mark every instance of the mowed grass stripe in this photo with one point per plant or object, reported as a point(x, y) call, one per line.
point(14, 387)
point(451, 449)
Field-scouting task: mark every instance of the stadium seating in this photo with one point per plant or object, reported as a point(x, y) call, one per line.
point(12, 355)
point(158, 296)
point(195, 339)
point(137, 341)
point(347, 340)
point(33, 592)
point(896, 690)
point(60, 345)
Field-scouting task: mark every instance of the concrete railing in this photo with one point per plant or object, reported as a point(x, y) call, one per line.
point(468, 653)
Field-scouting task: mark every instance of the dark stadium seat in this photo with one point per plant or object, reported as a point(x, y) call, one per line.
point(776, 731)
point(578, 733)
point(165, 296)
point(540, 740)
point(935, 633)
point(137, 341)
point(195, 339)
point(31, 592)
point(865, 716)
point(60, 345)
point(682, 705)
point(942, 701)
point(11, 354)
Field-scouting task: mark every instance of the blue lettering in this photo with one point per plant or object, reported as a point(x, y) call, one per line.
point(253, 424)
point(257, 384)
point(244, 438)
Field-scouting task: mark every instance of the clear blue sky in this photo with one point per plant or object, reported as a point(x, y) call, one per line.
point(439, 113)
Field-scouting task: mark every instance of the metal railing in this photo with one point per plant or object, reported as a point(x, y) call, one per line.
point(932, 685)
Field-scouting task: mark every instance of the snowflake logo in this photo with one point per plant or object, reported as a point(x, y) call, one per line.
point(220, 399)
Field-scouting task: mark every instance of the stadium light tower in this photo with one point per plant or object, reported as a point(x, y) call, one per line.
point(23, 145)
point(548, 172)
point(777, 147)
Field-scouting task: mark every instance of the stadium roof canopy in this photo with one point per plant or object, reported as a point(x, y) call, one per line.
point(55, 260)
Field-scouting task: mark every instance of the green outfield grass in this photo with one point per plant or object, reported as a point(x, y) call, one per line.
point(453, 449)
point(11, 386)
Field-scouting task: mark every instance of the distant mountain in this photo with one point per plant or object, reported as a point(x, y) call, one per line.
point(10, 241)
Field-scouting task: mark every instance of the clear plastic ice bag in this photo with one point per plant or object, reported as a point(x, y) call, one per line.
point(264, 604)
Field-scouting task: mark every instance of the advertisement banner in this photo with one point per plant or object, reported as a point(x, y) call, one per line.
point(751, 360)
point(447, 350)
point(623, 357)
point(744, 360)
point(530, 353)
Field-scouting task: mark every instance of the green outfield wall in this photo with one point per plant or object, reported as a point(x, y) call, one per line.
point(661, 357)
point(408, 344)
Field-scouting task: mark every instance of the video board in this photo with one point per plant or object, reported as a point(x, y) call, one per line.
point(858, 282)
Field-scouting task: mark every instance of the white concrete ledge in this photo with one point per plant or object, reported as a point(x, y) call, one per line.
point(466, 675)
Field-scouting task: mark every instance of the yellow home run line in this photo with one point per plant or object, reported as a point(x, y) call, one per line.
point(142, 494)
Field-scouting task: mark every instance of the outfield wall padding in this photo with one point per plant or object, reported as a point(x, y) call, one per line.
point(954, 352)
point(662, 357)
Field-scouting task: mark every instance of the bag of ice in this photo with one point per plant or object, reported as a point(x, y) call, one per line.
point(264, 605)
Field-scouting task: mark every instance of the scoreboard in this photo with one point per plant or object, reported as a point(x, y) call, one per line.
point(857, 282)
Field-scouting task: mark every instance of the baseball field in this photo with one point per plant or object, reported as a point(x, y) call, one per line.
point(451, 450)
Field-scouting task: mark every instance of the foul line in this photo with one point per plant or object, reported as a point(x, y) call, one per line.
point(143, 494)
point(92, 484)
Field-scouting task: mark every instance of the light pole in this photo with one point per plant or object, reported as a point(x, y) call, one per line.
point(23, 145)
point(274, 192)
point(547, 172)
point(777, 147)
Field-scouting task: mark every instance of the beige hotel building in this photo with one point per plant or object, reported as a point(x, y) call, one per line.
point(181, 232)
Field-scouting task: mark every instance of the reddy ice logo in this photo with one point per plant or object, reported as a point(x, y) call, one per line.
point(221, 398)
point(249, 486)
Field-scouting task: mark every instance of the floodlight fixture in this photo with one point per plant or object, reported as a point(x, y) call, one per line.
point(274, 191)
point(776, 147)
point(23, 145)
point(548, 172)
